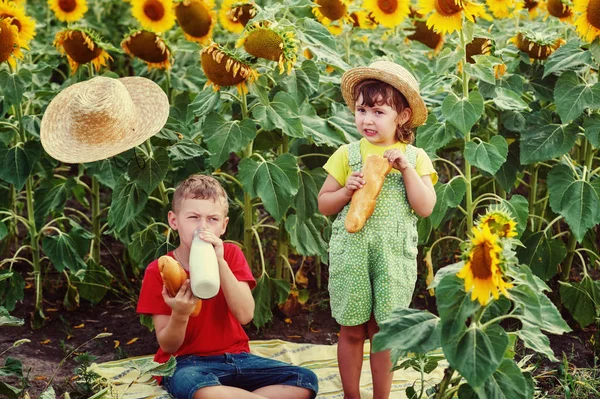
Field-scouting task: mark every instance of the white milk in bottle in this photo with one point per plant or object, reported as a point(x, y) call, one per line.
point(204, 268)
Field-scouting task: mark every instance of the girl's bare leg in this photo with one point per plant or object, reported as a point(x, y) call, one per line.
point(350, 358)
point(284, 391)
point(380, 366)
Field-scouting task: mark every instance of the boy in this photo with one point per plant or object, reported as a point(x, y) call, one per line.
point(212, 351)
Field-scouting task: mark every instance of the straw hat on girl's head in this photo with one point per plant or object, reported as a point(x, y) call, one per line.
point(102, 117)
point(392, 74)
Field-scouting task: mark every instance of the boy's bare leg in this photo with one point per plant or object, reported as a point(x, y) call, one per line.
point(380, 366)
point(350, 358)
point(284, 391)
point(223, 392)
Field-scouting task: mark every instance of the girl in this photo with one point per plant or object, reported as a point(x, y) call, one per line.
point(373, 271)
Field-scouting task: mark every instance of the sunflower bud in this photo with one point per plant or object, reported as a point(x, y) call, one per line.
point(536, 46)
point(81, 47)
point(223, 69)
point(261, 40)
point(196, 19)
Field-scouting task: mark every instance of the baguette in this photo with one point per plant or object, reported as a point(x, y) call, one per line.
point(174, 276)
point(364, 199)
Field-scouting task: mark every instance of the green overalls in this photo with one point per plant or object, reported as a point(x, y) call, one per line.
point(375, 269)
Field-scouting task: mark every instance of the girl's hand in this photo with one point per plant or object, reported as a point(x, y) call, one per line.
point(184, 302)
point(354, 182)
point(397, 159)
point(216, 242)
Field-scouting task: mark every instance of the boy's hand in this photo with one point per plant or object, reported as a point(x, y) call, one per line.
point(216, 242)
point(397, 159)
point(184, 302)
point(354, 182)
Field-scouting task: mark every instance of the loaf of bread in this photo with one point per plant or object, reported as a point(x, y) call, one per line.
point(364, 199)
point(174, 276)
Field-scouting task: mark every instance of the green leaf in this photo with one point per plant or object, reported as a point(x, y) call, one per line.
point(483, 69)
point(477, 353)
point(151, 172)
point(303, 81)
point(128, 201)
point(274, 182)
point(262, 299)
point(48, 393)
point(534, 339)
point(6, 320)
point(280, 113)
point(591, 125)
point(186, 149)
point(305, 201)
point(320, 42)
point(513, 121)
point(519, 208)
point(93, 282)
point(582, 300)
point(3, 231)
point(408, 331)
point(543, 142)
point(107, 171)
point(18, 162)
point(12, 86)
point(447, 60)
point(487, 156)
point(62, 252)
point(224, 137)
point(456, 307)
point(319, 129)
point(305, 237)
point(449, 195)
point(445, 271)
point(576, 200)
point(567, 57)
point(542, 254)
point(52, 196)
point(508, 100)
point(507, 174)
point(462, 112)
point(281, 290)
point(206, 101)
point(507, 382)
point(572, 96)
point(433, 134)
point(12, 290)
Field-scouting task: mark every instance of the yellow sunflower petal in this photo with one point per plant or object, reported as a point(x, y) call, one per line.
point(389, 13)
point(68, 10)
point(154, 15)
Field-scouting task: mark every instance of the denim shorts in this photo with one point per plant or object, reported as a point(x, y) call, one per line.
point(240, 370)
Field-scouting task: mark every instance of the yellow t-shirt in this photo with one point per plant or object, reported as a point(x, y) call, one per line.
point(338, 164)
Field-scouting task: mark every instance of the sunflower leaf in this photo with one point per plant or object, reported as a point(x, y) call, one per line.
point(582, 300)
point(463, 112)
point(449, 195)
point(572, 96)
point(408, 331)
point(508, 100)
point(62, 252)
point(151, 171)
point(456, 307)
point(534, 339)
point(433, 134)
point(477, 353)
point(305, 236)
point(128, 201)
point(567, 57)
point(575, 199)
point(275, 182)
point(542, 254)
point(507, 382)
point(280, 113)
point(17, 162)
point(592, 129)
point(305, 201)
point(224, 137)
point(543, 140)
point(487, 156)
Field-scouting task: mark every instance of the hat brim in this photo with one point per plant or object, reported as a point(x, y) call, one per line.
point(355, 75)
point(152, 111)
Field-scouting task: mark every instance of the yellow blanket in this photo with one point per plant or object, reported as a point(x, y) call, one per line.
point(322, 359)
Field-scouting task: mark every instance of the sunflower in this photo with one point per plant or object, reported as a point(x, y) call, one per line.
point(501, 8)
point(389, 13)
point(532, 7)
point(228, 15)
point(148, 47)
point(362, 20)
point(68, 10)
point(81, 46)
point(500, 222)
point(447, 15)
point(482, 273)
point(479, 46)
point(25, 25)
point(242, 12)
point(224, 69)
point(538, 46)
point(424, 34)
point(154, 15)
point(265, 41)
point(560, 9)
point(332, 14)
point(197, 19)
point(9, 42)
point(588, 23)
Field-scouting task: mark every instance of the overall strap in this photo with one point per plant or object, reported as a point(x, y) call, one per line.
point(411, 154)
point(354, 158)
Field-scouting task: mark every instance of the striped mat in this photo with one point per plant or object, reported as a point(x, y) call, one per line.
point(322, 359)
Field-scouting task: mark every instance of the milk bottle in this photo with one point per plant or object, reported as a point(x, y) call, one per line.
point(204, 268)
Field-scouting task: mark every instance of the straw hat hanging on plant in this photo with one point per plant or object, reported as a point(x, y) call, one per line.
point(102, 117)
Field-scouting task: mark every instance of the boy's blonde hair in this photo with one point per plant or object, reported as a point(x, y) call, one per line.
point(200, 187)
point(375, 92)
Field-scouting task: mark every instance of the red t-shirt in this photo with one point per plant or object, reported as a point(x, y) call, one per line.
point(215, 330)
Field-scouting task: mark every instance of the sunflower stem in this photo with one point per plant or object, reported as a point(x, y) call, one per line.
point(445, 383)
point(533, 192)
point(95, 250)
point(248, 208)
point(566, 271)
point(468, 180)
